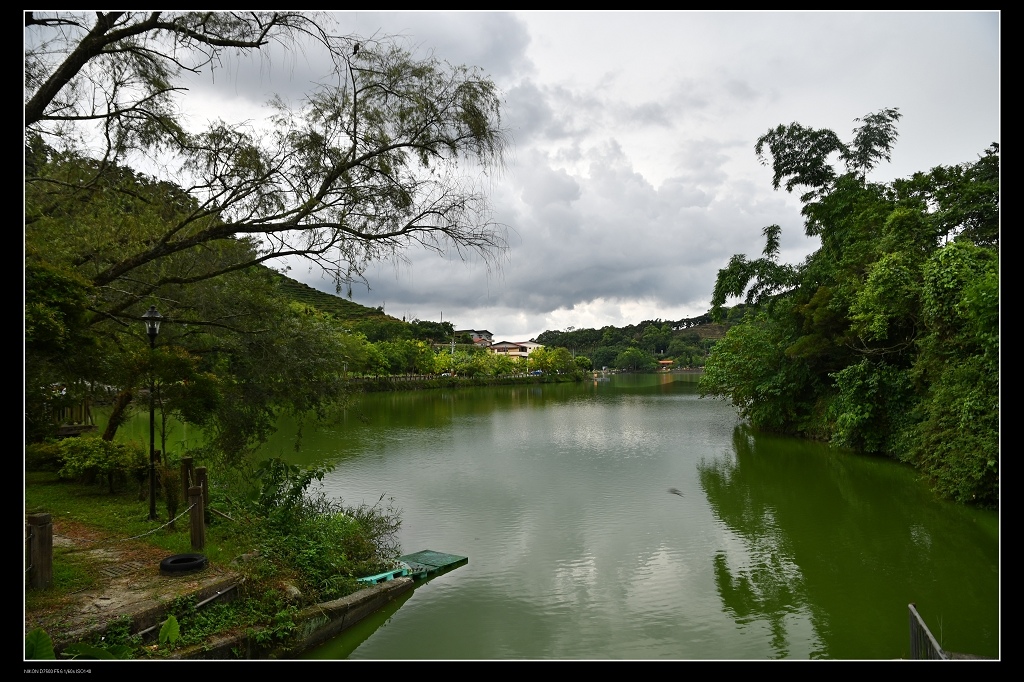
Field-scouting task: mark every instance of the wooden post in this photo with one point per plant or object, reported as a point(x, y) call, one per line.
point(203, 483)
point(40, 554)
point(186, 476)
point(197, 529)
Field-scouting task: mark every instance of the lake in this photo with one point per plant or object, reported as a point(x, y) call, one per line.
point(559, 494)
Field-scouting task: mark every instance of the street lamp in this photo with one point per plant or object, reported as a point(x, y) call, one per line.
point(152, 319)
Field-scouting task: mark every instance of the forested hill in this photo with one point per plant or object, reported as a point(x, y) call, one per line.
point(341, 308)
point(694, 329)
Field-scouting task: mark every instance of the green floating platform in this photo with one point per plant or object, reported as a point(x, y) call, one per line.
point(419, 565)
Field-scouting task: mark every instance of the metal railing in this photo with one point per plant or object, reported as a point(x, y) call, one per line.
point(923, 645)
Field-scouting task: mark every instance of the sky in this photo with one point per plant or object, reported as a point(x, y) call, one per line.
point(631, 178)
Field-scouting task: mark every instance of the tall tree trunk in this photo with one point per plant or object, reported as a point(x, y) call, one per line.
point(118, 414)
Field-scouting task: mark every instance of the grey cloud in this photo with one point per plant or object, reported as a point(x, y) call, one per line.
point(547, 186)
point(641, 191)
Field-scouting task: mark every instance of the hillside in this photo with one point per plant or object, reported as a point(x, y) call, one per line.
point(350, 311)
point(705, 331)
point(342, 308)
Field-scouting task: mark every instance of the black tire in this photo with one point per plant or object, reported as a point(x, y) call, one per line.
point(183, 563)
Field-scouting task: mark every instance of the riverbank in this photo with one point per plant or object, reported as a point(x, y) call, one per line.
point(132, 599)
point(419, 382)
point(108, 589)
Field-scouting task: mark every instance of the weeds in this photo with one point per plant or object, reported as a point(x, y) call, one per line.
point(290, 530)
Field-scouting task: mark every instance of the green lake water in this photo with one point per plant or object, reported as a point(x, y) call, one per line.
point(770, 548)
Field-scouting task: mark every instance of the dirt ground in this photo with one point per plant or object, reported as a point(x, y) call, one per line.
point(129, 584)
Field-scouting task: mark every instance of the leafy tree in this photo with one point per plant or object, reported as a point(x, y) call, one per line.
point(382, 328)
point(656, 339)
point(432, 332)
point(605, 356)
point(360, 170)
point(885, 339)
point(958, 435)
point(89, 458)
point(635, 360)
point(370, 163)
point(500, 364)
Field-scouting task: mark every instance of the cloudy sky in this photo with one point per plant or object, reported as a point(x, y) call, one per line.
point(632, 178)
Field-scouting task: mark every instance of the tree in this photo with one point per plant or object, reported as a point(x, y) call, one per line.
point(374, 160)
point(432, 332)
point(635, 360)
point(885, 339)
point(365, 167)
point(800, 156)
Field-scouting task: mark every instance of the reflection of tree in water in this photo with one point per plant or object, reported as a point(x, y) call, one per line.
point(766, 585)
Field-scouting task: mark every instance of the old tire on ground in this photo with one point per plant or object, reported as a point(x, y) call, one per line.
point(182, 563)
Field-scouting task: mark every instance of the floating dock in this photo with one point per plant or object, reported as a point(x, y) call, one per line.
point(419, 566)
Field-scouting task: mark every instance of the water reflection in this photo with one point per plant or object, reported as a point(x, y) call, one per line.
point(843, 542)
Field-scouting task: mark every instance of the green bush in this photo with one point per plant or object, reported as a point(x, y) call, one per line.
point(89, 459)
point(323, 545)
point(44, 456)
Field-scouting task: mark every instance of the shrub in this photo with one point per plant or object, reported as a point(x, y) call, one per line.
point(323, 545)
point(88, 459)
point(42, 456)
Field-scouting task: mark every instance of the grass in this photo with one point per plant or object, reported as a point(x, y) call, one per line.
point(71, 574)
point(95, 519)
point(124, 516)
point(311, 545)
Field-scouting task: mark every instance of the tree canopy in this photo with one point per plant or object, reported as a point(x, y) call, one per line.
point(128, 203)
point(373, 161)
point(885, 339)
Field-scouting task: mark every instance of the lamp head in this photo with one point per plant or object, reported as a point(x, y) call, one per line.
point(152, 319)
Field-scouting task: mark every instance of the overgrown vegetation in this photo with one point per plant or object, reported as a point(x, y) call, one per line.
point(885, 339)
point(286, 529)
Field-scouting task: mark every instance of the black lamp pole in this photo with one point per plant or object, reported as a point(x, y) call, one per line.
point(152, 319)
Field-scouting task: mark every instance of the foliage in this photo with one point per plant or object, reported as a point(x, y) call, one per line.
point(87, 459)
point(169, 632)
point(278, 630)
point(325, 544)
point(750, 368)
point(885, 339)
point(634, 359)
point(117, 643)
point(38, 646)
point(686, 341)
point(194, 626)
point(958, 435)
point(371, 162)
point(872, 407)
point(45, 456)
point(366, 165)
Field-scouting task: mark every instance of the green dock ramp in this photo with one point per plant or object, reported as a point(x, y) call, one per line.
point(419, 566)
point(428, 562)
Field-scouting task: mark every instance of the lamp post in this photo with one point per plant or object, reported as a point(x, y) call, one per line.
point(152, 319)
